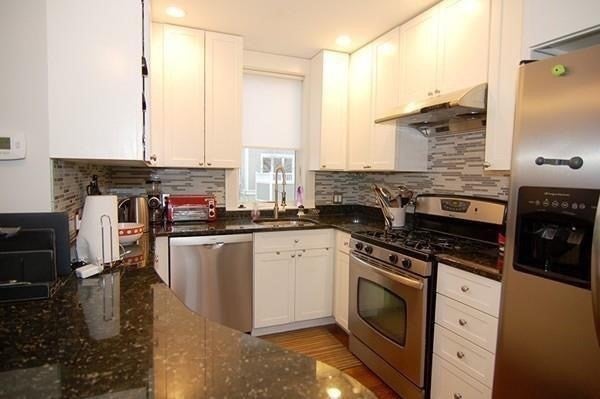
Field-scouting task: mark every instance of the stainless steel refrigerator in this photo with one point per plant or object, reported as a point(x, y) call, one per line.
point(549, 337)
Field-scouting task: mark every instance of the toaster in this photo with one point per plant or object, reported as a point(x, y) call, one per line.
point(191, 208)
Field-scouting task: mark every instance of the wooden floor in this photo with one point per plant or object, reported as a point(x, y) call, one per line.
point(329, 344)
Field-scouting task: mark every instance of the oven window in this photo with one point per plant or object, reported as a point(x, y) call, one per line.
point(382, 310)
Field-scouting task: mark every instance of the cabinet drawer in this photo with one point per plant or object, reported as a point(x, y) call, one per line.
point(472, 324)
point(313, 239)
point(269, 242)
point(294, 239)
point(473, 290)
point(342, 241)
point(470, 358)
point(448, 382)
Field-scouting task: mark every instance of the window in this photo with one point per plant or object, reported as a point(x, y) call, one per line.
point(271, 136)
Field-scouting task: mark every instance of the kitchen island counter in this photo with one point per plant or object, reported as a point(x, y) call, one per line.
point(126, 334)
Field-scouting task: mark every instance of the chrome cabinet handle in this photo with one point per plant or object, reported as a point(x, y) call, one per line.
point(457, 396)
point(324, 166)
point(209, 163)
point(487, 164)
point(296, 241)
point(299, 255)
point(462, 322)
point(430, 94)
point(596, 273)
point(277, 253)
point(292, 256)
point(201, 163)
point(460, 354)
point(437, 91)
point(367, 167)
point(153, 157)
point(464, 288)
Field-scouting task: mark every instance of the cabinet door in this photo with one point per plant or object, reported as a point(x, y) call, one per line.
point(183, 97)
point(360, 118)
point(334, 113)
point(549, 20)
point(274, 288)
point(463, 44)
point(386, 90)
point(505, 44)
point(95, 79)
point(342, 286)
point(418, 56)
point(224, 69)
point(156, 66)
point(314, 284)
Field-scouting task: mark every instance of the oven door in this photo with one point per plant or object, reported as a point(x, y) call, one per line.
point(388, 313)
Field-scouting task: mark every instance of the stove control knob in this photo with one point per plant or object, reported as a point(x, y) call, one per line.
point(393, 258)
point(369, 249)
point(406, 263)
point(359, 246)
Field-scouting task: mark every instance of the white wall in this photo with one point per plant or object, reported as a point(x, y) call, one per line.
point(25, 185)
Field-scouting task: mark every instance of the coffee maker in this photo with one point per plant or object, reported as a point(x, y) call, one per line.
point(155, 201)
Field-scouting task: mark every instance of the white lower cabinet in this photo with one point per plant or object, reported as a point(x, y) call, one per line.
point(466, 327)
point(314, 280)
point(341, 299)
point(293, 283)
point(273, 288)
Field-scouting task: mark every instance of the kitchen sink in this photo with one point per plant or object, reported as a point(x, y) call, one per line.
point(284, 222)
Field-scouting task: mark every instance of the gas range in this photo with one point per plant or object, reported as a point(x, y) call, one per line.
point(392, 284)
point(399, 246)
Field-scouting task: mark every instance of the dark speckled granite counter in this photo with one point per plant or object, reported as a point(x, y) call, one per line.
point(125, 335)
point(483, 261)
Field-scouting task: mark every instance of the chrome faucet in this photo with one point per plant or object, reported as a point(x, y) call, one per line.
point(281, 169)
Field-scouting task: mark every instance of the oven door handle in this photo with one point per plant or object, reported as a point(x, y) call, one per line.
point(404, 280)
point(595, 274)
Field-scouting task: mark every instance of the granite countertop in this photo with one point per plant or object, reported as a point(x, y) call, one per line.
point(125, 334)
point(484, 261)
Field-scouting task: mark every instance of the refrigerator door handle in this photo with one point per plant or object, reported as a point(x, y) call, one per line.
point(596, 272)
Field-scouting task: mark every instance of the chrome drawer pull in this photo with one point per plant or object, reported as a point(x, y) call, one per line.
point(462, 322)
point(464, 288)
point(457, 396)
point(460, 354)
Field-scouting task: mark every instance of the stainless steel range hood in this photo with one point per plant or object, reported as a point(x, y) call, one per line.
point(437, 110)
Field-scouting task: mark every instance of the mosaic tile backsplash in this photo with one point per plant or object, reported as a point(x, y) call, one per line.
point(455, 166)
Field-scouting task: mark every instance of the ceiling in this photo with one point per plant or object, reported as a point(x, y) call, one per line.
point(294, 27)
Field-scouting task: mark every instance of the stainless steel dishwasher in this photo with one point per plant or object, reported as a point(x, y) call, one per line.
point(212, 275)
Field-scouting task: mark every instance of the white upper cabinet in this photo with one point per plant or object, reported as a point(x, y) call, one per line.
point(374, 83)
point(360, 120)
point(418, 56)
point(328, 110)
point(505, 45)
point(546, 21)
point(385, 97)
point(177, 67)
point(197, 94)
point(223, 118)
point(95, 82)
point(463, 44)
point(444, 49)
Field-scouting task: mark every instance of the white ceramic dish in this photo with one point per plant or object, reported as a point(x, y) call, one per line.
point(129, 233)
